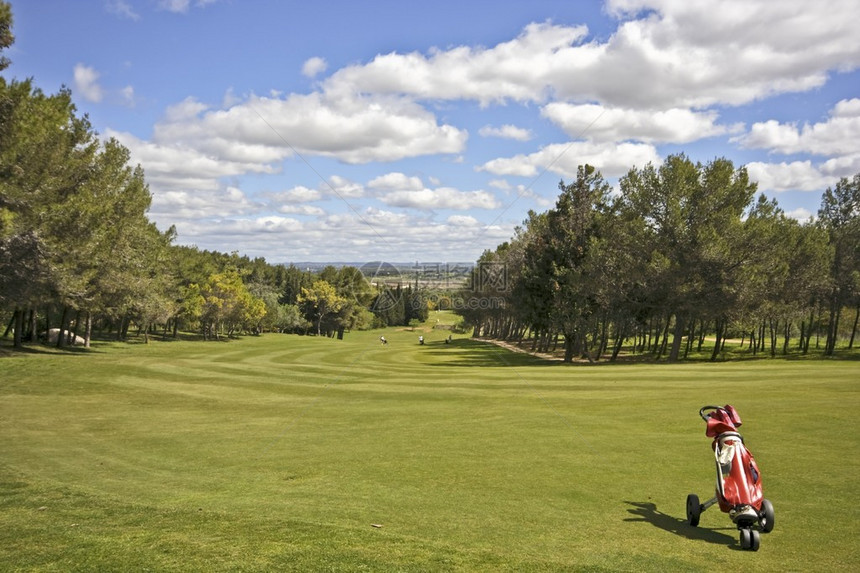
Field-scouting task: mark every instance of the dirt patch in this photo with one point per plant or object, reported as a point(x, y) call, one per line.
point(517, 348)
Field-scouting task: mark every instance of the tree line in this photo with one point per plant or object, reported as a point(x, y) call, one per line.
point(680, 253)
point(78, 252)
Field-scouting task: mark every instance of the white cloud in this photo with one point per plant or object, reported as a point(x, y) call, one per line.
point(800, 214)
point(233, 228)
point(352, 130)
point(599, 123)
point(677, 55)
point(844, 166)
point(122, 9)
point(661, 77)
point(314, 66)
point(506, 132)
point(839, 135)
point(368, 234)
point(462, 221)
point(529, 193)
point(342, 187)
point(86, 83)
point(230, 98)
point(511, 70)
point(693, 53)
point(440, 198)
point(301, 210)
point(184, 205)
point(182, 6)
point(299, 194)
point(187, 109)
point(176, 6)
point(793, 176)
point(179, 168)
point(127, 94)
point(564, 159)
point(381, 220)
point(836, 137)
point(396, 182)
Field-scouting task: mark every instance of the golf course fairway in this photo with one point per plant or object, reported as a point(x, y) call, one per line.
point(291, 453)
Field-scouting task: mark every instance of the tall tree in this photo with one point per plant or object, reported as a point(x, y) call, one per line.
point(45, 154)
point(6, 36)
point(319, 302)
point(570, 259)
point(839, 215)
point(694, 213)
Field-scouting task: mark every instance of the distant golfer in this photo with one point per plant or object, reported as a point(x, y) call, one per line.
point(382, 340)
point(421, 340)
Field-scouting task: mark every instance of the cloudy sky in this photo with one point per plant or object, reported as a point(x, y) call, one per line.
point(344, 130)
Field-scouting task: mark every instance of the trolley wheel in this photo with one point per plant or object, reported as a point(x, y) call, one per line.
point(755, 540)
point(694, 509)
point(746, 539)
point(765, 518)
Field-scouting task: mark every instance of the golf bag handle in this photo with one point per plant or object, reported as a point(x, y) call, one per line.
point(708, 408)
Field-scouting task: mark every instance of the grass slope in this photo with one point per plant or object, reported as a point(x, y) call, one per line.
point(284, 453)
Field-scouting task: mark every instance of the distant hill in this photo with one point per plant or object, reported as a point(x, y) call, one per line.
point(403, 268)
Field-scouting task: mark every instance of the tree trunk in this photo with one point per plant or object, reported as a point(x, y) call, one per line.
point(677, 337)
point(10, 328)
point(89, 329)
point(568, 347)
point(61, 335)
point(73, 332)
point(18, 318)
point(663, 343)
point(854, 328)
point(47, 322)
point(773, 327)
point(832, 328)
point(719, 325)
point(604, 338)
point(690, 337)
point(619, 343)
point(34, 326)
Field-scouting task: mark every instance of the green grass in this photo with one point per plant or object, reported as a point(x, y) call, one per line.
point(282, 452)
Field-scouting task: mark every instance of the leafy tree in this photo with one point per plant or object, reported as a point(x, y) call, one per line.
point(294, 281)
point(6, 36)
point(228, 302)
point(319, 302)
point(290, 319)
point(839, 215)
point(694, 215)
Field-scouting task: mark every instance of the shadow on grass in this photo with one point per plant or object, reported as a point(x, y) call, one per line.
point(98, 340)
point(469, 352)
point(648, 512)
point(36, 348)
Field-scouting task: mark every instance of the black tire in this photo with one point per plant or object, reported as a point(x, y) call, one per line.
point(746, 539)
point(765, 518)
point(694, 509)
point(755, 540)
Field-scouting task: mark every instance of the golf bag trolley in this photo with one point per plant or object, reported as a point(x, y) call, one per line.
point(738, 490)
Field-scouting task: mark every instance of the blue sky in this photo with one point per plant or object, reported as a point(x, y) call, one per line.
point(425, 131)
